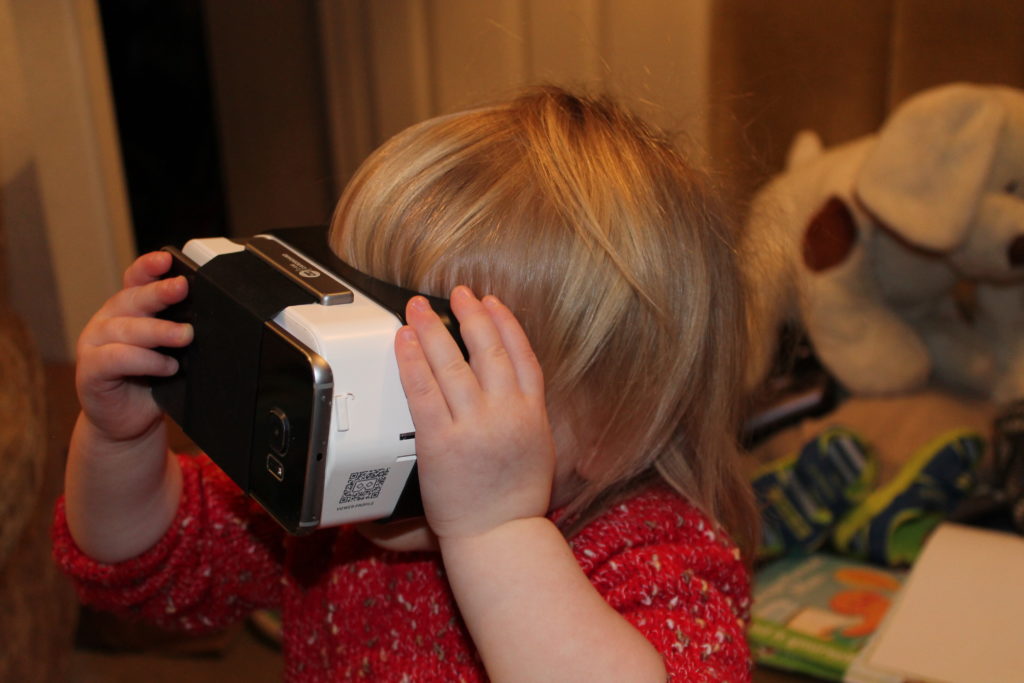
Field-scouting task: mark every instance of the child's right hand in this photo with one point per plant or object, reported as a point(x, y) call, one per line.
point(116, 349)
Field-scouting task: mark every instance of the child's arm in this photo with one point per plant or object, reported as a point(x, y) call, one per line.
point(487, 463)
point(121, 485)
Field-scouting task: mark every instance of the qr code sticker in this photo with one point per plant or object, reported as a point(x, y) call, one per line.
point(363, 485)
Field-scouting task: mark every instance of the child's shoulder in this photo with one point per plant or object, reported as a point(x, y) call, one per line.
point(655, 517)
point(677, 577)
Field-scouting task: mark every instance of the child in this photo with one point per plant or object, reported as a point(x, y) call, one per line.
point(575, 520)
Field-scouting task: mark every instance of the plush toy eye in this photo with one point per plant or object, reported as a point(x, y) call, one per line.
point(1011, 187)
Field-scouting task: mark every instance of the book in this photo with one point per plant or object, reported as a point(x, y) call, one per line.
point(957, 619)
point(813, 614)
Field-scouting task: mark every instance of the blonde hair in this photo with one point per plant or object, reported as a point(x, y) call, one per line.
point(614, 254)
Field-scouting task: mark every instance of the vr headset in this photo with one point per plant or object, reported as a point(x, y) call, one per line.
point(290, 384)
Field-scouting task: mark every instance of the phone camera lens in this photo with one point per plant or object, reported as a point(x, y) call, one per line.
point(279, 433)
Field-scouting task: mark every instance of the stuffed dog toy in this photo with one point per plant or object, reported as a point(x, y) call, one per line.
point(901, 253)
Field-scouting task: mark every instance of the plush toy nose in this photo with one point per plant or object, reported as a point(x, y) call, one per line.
point(1016, 252)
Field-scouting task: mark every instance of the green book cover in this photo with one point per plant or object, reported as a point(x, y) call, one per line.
point(814, 613)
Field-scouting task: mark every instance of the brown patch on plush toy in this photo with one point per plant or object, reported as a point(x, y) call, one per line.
point(830, 236)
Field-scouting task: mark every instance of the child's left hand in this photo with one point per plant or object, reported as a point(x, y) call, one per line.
point(484, 445)
point(486, 459)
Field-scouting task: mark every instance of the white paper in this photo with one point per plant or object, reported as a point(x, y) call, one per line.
point(960, 616)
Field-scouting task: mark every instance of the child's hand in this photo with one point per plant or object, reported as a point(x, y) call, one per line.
point(116, 349)
point(484, 445)
point(486, 465)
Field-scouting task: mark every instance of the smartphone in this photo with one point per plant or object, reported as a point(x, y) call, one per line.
point(248, 393)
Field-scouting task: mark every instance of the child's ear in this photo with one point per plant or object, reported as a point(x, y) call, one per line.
point(587, 465)
point(577, 448)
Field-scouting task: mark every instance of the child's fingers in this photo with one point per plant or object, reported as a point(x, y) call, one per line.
point(517, 346)
point(112, 363)
point(137, 331)
point(146, 299)
point(146, 268)
point(453, 375)
point(487, 353)
point(427, 404)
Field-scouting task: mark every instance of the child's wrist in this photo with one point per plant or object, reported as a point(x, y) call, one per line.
point(513, 531)
point(102, 441)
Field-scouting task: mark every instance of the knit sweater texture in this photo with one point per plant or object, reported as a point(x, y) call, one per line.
point(351, 610)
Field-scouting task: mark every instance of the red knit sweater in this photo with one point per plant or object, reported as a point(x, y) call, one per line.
point(351, 610)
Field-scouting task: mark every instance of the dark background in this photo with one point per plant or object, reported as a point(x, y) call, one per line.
point(159, 72)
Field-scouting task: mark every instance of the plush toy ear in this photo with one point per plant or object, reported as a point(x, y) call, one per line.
point(925, 173)
point(806, 147)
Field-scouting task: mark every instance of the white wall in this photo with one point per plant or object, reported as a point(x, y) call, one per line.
point(64, 211)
